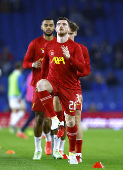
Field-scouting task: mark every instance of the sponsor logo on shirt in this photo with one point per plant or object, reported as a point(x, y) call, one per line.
point(58, 60)
point(52, 52)
point(42, 49)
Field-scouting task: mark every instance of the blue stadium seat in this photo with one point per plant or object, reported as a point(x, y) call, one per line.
point(18, 29)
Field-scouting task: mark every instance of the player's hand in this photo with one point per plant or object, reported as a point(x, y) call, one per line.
point(37, 64)
point(66, 51)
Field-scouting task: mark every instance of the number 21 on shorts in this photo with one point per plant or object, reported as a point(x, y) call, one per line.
point(72, 106)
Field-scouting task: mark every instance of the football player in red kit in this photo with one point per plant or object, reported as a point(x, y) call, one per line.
point(72, 33)
point(33, 59)
point(64, 58)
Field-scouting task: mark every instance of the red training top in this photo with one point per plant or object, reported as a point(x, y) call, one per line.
point(87, 65)
point(62, 70)
point(35, 52)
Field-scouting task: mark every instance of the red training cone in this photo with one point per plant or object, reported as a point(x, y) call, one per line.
point(98, 165)
point(10, 152)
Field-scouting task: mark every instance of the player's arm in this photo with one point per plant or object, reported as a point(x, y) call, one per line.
point(78, 60)
point(45, 65)
point(87, 63)
point(28, 59)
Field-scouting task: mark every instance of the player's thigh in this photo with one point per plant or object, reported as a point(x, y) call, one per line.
point(57, 104)
point(68, 101)
point(37, 106)
point(78, 116)
point(44, 84)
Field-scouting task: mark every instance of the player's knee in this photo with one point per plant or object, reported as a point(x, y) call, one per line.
point(70, 123)
point(47, 122)
point(41, 85)
point(39, 119)
point(47, 125)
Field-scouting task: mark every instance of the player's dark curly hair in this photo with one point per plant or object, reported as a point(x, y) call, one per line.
point(47, 18)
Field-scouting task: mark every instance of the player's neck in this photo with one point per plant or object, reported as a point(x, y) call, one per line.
point(48, 38)
point(62, 39)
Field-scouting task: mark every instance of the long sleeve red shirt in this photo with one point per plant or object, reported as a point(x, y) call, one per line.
point(62, 70)
point(87, 65)
point(35, 52)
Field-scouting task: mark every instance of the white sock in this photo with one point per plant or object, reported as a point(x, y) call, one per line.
point(19, 115)
point(13, 119)
point(61, 147)
point(37, 144)
point(48, 137)
point(56, 142)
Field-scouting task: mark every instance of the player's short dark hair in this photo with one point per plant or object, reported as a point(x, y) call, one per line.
point(18, 65)
point(47, 18)
point(73, 26)
point(63, 18)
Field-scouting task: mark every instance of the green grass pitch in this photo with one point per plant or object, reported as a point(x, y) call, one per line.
point(100, 145)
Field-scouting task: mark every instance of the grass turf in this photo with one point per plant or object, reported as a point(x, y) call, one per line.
point(100, 145)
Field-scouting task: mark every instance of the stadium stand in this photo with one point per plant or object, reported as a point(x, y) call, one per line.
point(19, 28)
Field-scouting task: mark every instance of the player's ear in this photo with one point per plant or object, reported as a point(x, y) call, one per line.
point(41, 27)
point(75, 33)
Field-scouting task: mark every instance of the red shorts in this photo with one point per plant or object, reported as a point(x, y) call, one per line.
point(79, 100)
point(37, 106)
point(66, 96)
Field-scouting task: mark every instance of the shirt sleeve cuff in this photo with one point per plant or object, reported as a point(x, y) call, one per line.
point(32, 64)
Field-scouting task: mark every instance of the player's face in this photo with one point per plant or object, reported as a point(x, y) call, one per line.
point(48, 27)
point(62, 28)
point(71, 34)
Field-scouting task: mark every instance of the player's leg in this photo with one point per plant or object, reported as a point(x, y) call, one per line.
point(38, 107)
point(17, 116)
point(56, 139)
point(68, 99)
point(79, 138)
point(18, 111)
point(72, 134)
point(62, 129)
point(39, 116)
point(12, 123)
point(44, 89)
point(21, 110)
point(47, 130)
point(21, 133)
point(60, 115)
point(62, 144)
